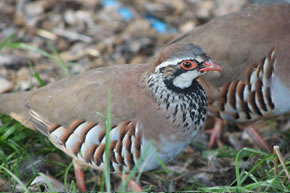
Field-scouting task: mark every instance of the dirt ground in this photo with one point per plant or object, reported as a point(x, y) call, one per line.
point(94, 33)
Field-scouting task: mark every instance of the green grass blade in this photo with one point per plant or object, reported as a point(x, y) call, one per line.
point(36, 75)
point(135, 168)
point(25, 46)
point(16, 179)
point(238, 156)
point(73, 187)
point(162, 164)
point(6, 41)
point(6, 132)
point(66, 176)
point(262, 161)
point(237, 169)
point(31, 180)
point(47, 182)
point(102, 185)
point(21, 45)
point(59, 59)
point(107, 143)
point(40, 81)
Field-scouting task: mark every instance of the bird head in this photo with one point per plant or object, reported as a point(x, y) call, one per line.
point(181, 63)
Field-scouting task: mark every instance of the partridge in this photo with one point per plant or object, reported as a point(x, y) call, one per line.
point(161, 104)
point(253, 48)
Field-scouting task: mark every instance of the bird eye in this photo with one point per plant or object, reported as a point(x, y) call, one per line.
point(188, 65)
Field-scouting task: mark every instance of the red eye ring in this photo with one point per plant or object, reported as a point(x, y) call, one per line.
point(188, 65)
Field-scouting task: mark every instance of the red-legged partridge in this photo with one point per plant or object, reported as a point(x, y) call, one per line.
point(161, 103)
point(253, 47)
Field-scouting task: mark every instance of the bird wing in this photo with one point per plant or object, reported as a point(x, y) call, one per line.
point(85, 98)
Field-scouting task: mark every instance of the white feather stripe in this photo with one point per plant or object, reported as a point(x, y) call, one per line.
point(253, 79)
point(80, 128)
point(124, 151)
point(266, 68)
point(246, 93)
point(114, 135)
point(170, 63)
point(75, 136)
point(133, 149)
point(90, 139)
point(92, 136)
point(56, 135)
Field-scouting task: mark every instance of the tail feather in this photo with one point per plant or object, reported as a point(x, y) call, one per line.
point(13, 104)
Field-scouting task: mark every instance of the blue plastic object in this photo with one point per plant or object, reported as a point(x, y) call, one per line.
point(159, 25)
point(110, 3)
point(125, 13)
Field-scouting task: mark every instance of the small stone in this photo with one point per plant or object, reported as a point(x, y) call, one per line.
point(187, 26)
point(138, 26)
point(24, 85)
point(205, 10)
point(5, 85)
point(23, 74)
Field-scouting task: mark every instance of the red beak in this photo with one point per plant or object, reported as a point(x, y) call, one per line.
point(210, 66)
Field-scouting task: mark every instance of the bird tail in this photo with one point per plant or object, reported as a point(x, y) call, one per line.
point(13, 104)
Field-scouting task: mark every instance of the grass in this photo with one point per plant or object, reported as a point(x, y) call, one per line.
point(53, 55)
point(107, 145)
point(19, 145)
point(16, 143)
point(260, 177)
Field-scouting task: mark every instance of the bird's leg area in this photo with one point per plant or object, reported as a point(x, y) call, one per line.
point(257, 138)
point(132, 184)
point(80, 177)
point(216, 133)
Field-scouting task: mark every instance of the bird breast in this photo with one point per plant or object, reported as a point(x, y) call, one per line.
point(185, 111)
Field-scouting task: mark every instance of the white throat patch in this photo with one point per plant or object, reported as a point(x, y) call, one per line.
point(184, 80)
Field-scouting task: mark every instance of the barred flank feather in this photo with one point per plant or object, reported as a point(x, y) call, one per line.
point(250, 100)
